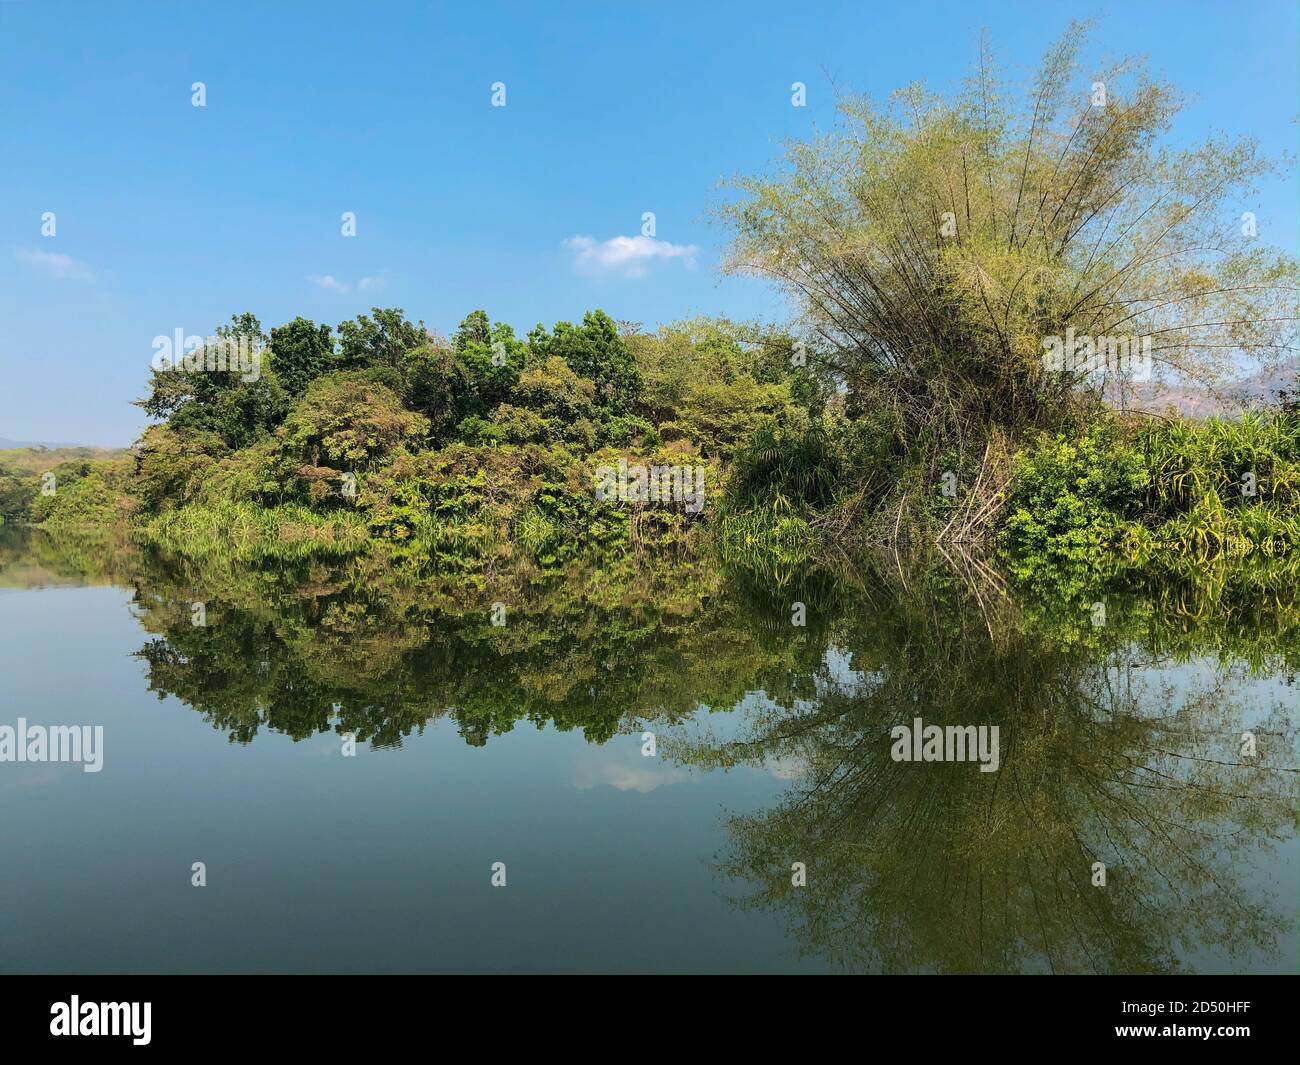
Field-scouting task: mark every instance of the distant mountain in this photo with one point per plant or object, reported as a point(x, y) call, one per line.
point(1247, 393)
point(6, 444)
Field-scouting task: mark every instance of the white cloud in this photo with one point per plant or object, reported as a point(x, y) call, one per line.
point(330, 282)
point(786, 768)
point(628, 256)
point(626, 775)
point(55, 264)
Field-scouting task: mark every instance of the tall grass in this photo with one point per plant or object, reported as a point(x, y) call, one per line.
point(1223, 486)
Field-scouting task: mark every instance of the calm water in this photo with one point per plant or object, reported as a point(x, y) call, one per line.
point(522, 743)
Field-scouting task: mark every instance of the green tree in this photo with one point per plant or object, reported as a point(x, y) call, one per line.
point(380, 341)
point(492, 357)
point(937, 243)
point(346, 422)
point(302, 351)
point(594, 350)
point(18, 491)
point(170, 464)
point(438, 384)
point(221, 401)
point(715, 382)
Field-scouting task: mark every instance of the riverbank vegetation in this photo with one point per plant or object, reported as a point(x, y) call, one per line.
point(933, 249)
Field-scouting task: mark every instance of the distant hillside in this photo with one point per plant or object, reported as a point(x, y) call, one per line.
point(24, 459)
point(1248, 393)
point(7, 444)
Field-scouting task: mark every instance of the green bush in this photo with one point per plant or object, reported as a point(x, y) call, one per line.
point(790, 466)
point(1069, 500)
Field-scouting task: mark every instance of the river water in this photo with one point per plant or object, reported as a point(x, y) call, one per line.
point(655, 765)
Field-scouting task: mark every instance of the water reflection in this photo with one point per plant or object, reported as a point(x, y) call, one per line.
point(938, 866)
point(1121, 743)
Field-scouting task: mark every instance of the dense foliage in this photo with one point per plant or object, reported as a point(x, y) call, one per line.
point(933, 248)
point(936, 248)
point(445, 454)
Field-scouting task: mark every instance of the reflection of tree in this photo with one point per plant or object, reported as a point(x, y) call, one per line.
point(354, 648)
point(29, 558)
point(938, 866)
point(306, 647)
point(911, 866)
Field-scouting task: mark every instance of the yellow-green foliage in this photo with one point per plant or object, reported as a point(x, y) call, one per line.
point(458, 456)
point(345, 423)
point(1224, 486)
point(172, 465)
point(247, 532)
point(714, 383)
point(935, 241)
point(22, 478)
point(98, 499)
point(464, 455)
point(39, 459)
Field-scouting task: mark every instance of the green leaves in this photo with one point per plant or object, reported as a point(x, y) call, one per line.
point(301, 352)
point(935, 244)
point(379, 341)
point(593, 350)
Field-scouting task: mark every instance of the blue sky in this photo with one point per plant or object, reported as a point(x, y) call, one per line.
point(171, 216)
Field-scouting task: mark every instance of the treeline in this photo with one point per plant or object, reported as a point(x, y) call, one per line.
point(29, 479)
point(449, 450)
point(453, 453)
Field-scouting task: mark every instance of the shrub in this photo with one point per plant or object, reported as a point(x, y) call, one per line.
point(1069, 500)
point(785, 465)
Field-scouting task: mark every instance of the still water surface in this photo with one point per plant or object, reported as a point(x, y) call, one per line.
point(523, 744)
